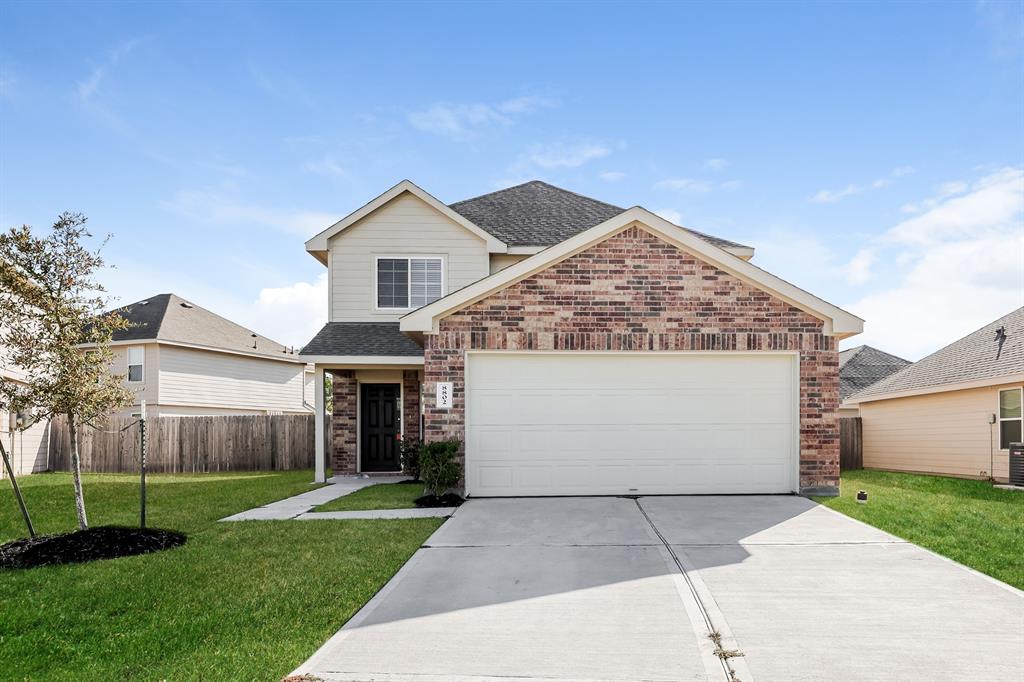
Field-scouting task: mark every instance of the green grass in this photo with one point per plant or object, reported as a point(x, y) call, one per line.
point(967, 521)
point(380, 496)
point(240, 601)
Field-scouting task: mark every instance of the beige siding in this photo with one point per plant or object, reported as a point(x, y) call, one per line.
point(940, 433)
point(148, 388)
point(207, 379)
point(500, 261)
point(404, 226)
point(28, 449)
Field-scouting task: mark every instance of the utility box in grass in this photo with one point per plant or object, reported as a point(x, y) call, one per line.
point(1017, 464)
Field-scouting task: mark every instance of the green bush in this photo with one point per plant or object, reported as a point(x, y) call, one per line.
point(411, 449)
point(438, 467)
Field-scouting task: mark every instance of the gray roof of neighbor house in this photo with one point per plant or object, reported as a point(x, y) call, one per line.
point(862, 366)
point(361, 338)
point(170, 318)
point(982, 355)
point(538, 214)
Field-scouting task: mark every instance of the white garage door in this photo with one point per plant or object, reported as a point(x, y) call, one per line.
point(619, 424)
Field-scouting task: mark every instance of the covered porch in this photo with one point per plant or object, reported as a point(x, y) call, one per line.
point(376, 376)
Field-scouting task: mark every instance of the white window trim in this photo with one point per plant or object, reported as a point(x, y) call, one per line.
point(1000, 419)
point(406, 257)
point(128, 364)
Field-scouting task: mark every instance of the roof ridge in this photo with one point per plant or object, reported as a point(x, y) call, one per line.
point(537, 182)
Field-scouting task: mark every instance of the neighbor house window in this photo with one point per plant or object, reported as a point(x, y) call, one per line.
point(405, 283)
point(1011, 418)
point(136, 362)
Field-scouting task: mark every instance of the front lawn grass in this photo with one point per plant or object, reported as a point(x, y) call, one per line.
point(239, 601)
point(967, 521)
point(380, 496)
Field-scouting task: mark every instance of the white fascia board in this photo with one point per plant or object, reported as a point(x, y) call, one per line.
point(318, 245)
point(837, 321)
point(854, 400)
point(361, 360)
point(285, 357)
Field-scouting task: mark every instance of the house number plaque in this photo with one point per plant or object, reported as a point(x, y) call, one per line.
point(444, 395)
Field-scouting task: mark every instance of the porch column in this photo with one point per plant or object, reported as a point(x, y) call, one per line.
point(320, 466)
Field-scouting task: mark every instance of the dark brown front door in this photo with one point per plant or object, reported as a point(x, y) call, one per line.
point(380, 426)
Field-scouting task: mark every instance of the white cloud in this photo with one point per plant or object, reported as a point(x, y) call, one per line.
point(671, 215)
point(611, 176)
point(717, 164)
point(88, 87)
point(464, 120)
point(858, 269)
point(211, 208)
point(961, 265)
point(684, 185)
point(326, 166)
point(829, 196)
point(565, 154)
point(292, 314)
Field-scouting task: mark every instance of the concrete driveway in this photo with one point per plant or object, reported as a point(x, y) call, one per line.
point(621, 589)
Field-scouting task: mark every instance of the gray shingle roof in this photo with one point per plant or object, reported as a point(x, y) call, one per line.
point(979, 355)
point(168, 317)
point(862, 366)
point(361, 338)
point(538, 214)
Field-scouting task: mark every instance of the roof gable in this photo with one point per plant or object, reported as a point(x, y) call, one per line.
point(863, 366)
point(837, 321)
point(169, 318)
point(979, 358)
point(317, 245)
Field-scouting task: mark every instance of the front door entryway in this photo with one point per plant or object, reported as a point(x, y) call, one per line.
point(380, 426)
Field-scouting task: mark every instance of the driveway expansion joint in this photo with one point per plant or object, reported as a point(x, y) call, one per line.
point(717, 630)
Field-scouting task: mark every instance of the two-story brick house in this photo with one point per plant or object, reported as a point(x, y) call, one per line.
point(575, 347)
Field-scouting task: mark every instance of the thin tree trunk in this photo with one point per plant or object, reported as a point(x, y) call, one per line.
point(17, 491)
point(76, 474)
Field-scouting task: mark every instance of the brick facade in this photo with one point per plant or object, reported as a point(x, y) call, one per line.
point(636, 292)
point(345, 394)
point(410, 404)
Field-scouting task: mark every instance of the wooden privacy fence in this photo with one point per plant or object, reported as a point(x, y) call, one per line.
point(189, 444)
point(851, 444)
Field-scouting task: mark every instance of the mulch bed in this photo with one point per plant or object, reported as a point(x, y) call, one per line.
point(101, 542)
point(446, 500)
point(410, 481)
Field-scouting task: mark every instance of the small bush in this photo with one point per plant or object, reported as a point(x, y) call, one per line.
point(411, 448)
point(438, 467)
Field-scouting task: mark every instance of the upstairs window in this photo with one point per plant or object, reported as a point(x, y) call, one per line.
point(406, 283)
point(1011, 417)
point(136, 362)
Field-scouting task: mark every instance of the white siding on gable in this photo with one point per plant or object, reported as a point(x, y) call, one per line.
point(403, 226)
point(202, 378)
point(500, 261)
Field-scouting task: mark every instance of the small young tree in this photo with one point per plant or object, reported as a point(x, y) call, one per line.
point(53, 328)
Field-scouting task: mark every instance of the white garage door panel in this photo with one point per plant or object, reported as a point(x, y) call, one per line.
point(592, 424)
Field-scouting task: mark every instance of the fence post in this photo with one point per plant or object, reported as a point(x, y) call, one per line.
point(142, 467)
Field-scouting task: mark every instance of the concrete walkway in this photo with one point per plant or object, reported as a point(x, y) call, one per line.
point(417, 513)
point(602, 589)
point(293, 507)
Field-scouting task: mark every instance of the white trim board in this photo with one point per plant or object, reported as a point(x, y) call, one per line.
point(837, 322)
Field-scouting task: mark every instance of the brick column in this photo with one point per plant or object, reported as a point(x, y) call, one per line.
point(343, 422)
point(411, 404)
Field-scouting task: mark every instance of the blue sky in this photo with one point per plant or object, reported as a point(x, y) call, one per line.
point(873, 153)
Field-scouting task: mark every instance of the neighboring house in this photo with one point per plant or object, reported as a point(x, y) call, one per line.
point(577, 348)
point(184, 360)
point(954, 412)
point(28, 447)
point(860, 367)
